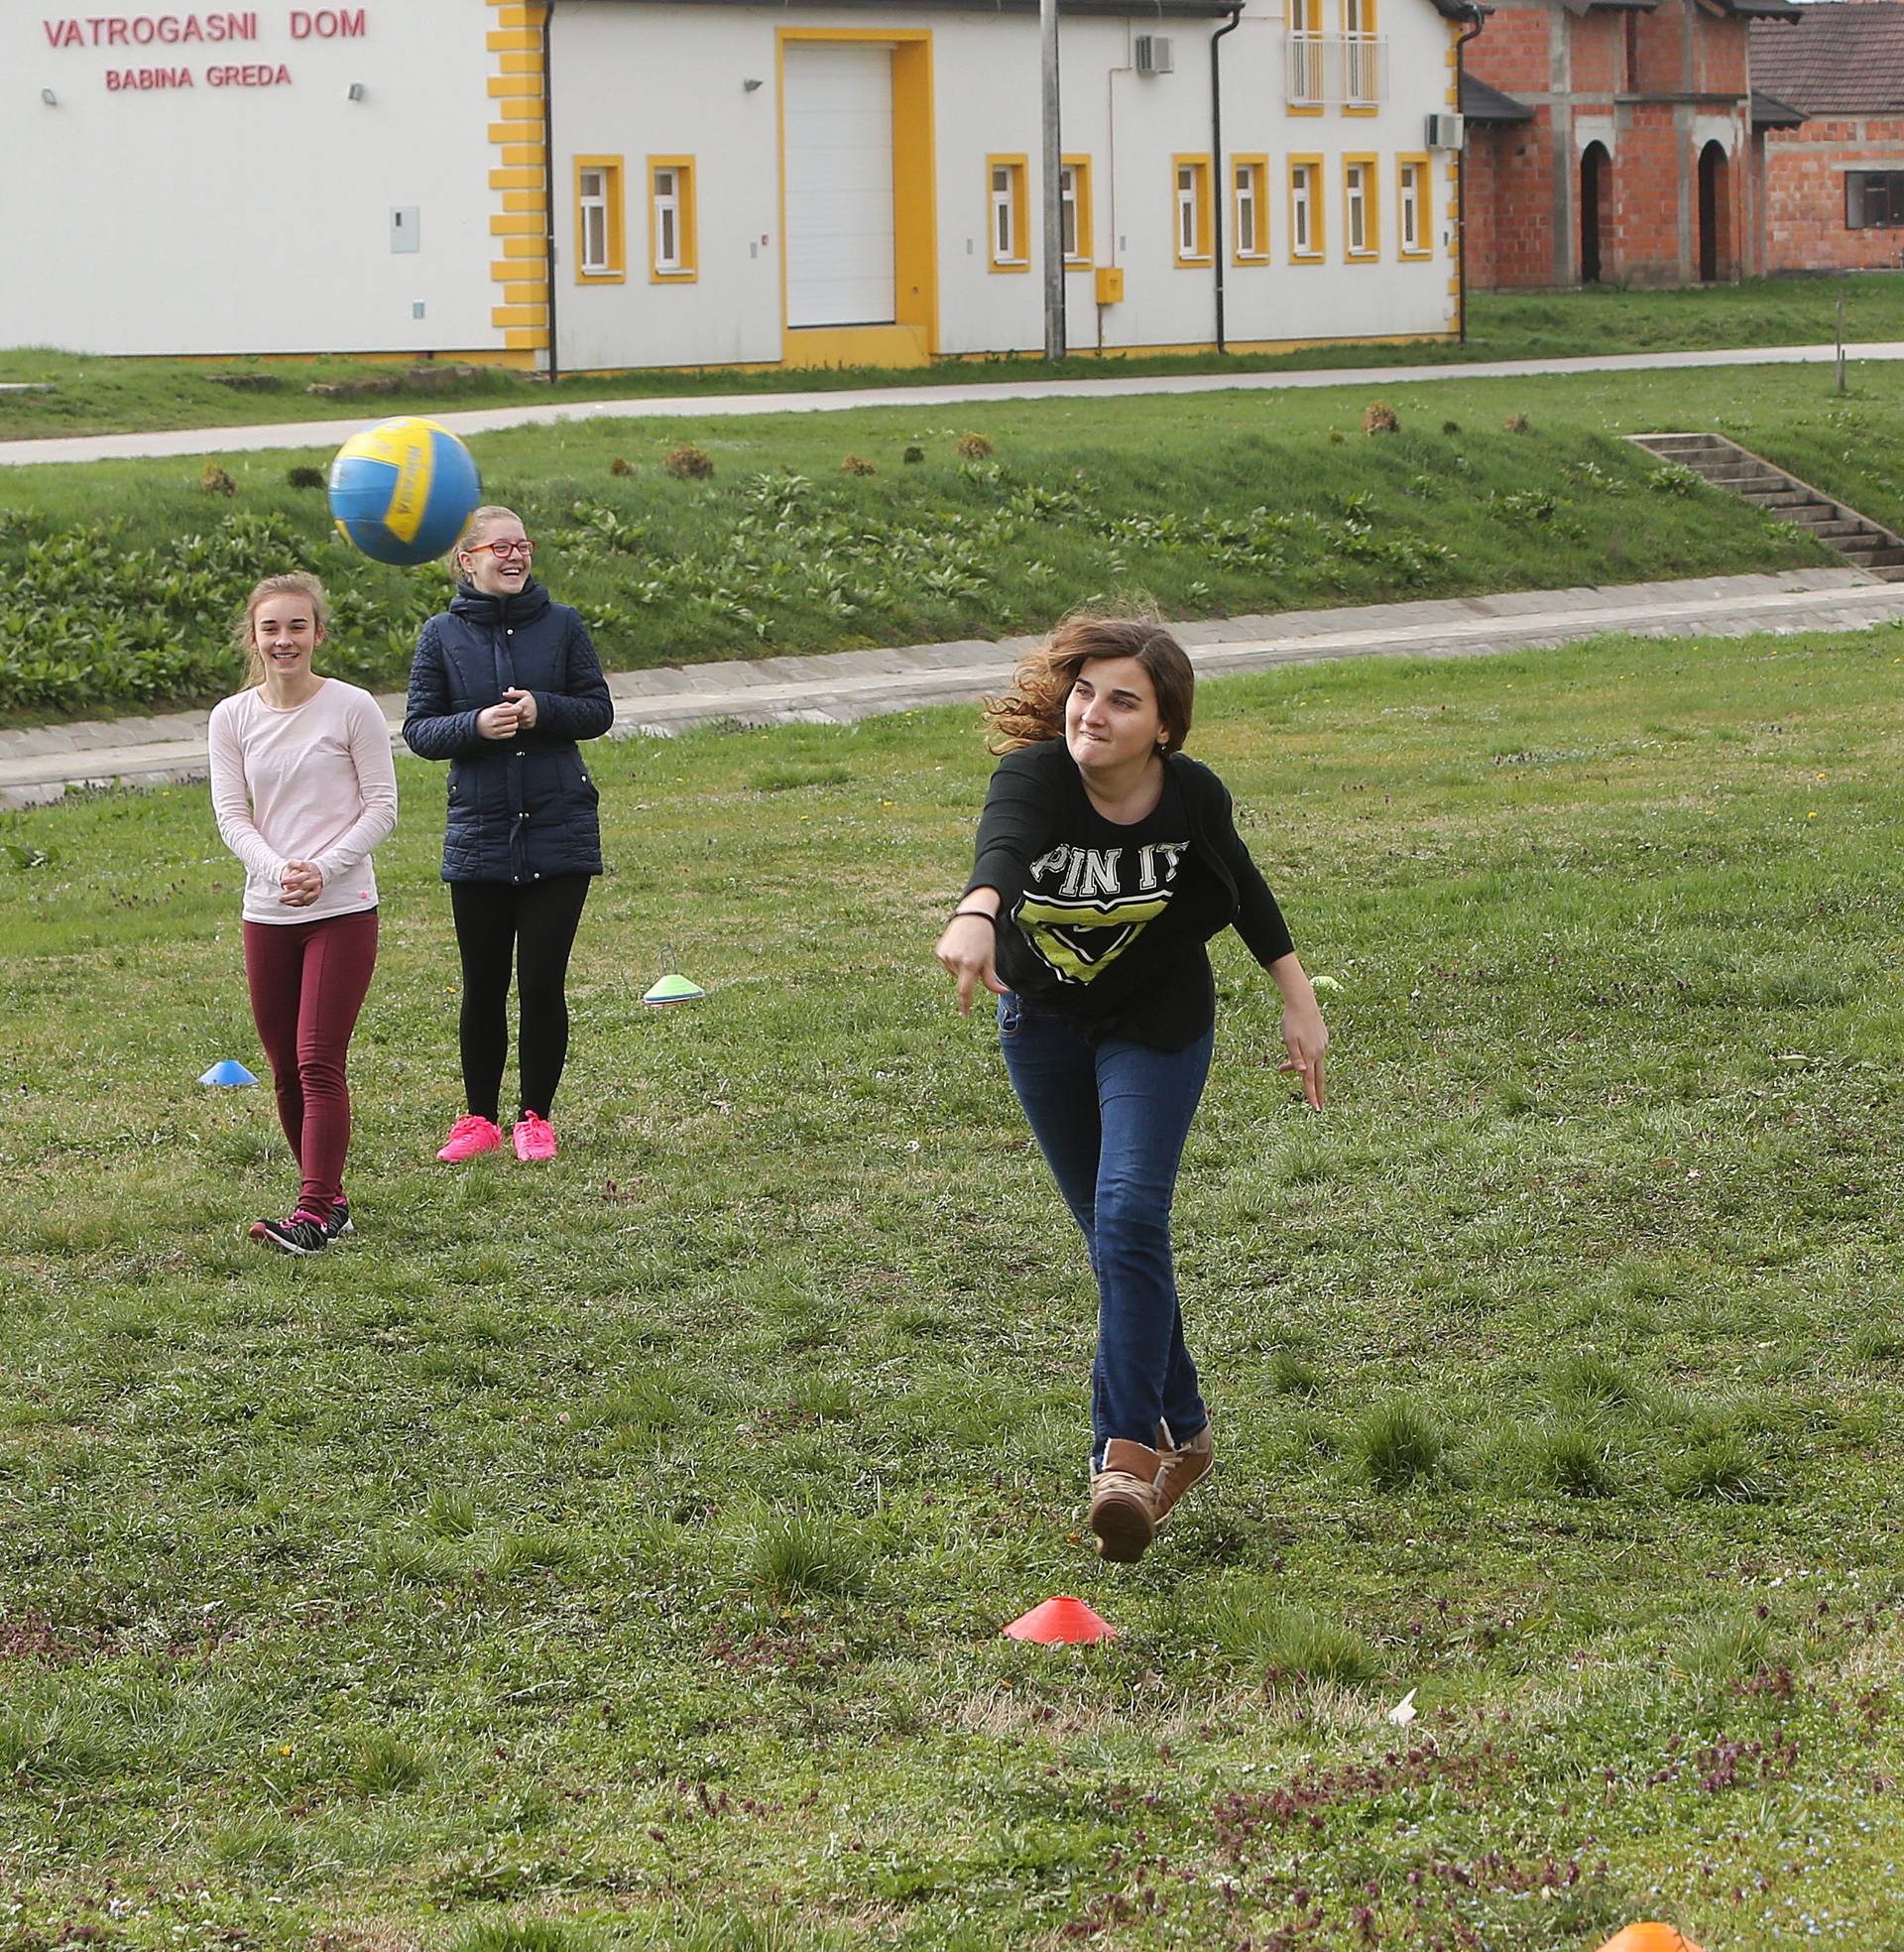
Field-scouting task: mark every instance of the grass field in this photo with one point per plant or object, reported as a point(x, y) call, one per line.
point(93, 395)
point(122, 575)
point(615, 1555)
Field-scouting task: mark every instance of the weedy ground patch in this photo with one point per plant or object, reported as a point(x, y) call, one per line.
point(615, 1554)
point(123, 576)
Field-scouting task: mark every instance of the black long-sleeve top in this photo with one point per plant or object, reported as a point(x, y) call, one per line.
point(1108, 922)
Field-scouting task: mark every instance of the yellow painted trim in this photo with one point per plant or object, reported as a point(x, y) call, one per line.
point(526, 340)
point(520, 154)
point(686, 223)
point(856, 345)
point(1085, 256)
point(916, 226)
point(1318, 250)
point(537, 293)
point(1018, 166)
point(519, 315)
point(512, 40)
point(526, 199)
point(525, 62)
point(1425, 211)
point(617, 226)
point(1302, 108)
point(524, 223)
point(503, 86)
point(506, 132)
point(506, 16)
point(1371, 167)
point(516, 179)
point(1361, 108)
point(1202, 258)
point(523, 245)
point(1260, 166)
point(517, 109)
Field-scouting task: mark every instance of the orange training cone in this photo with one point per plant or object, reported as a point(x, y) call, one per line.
point(1061, 1621)
point(1649, 1936)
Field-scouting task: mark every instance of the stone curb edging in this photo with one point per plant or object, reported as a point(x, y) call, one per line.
point(38, 765)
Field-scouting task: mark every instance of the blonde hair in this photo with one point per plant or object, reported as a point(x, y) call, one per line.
point(479, 520)
point(1033, 709)
point(293, 582)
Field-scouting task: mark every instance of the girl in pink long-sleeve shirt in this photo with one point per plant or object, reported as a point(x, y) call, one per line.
point(303, 787)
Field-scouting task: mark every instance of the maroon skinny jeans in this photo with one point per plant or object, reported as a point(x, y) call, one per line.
point(308, 980)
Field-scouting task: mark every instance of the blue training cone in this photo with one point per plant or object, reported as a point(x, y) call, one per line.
point(227, 1071)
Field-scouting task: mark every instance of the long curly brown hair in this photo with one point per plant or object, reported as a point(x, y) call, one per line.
point(1033, 709)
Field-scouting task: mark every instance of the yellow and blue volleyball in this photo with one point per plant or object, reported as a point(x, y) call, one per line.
point(402, 489)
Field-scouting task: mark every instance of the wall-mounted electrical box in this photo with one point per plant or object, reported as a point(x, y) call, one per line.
point(1109, 283)
point(407, 229)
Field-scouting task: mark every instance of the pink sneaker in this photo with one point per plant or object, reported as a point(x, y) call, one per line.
point(534, 1139)
point(470, 1135)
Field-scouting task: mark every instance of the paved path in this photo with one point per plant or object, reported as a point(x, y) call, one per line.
point(719, 406)
point(36, 766)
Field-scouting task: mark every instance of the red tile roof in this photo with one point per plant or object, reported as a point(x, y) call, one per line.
point(1838, 58)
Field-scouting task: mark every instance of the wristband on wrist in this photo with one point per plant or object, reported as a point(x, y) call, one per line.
point(984, 915)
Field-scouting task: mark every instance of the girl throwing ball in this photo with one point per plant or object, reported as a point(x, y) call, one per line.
point(303, 789)
point(1106, 860)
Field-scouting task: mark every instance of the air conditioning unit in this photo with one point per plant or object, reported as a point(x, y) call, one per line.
point(1444, 131)
point(1153, 54)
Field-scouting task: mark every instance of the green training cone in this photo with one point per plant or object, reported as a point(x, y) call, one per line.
point(673, 989)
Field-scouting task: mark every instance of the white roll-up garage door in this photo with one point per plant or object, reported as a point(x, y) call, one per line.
point(839, 183)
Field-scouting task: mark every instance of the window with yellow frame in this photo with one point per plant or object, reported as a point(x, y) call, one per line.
point(1305, 209)
point(674, 256)
point(1361, 58)
point(1007, 213)
point(1414, 212)
point(1306, 58)
point(1249, 209)
point(600, 233)
point(1360, 210)
point(1190, 178)
point(1074, 208)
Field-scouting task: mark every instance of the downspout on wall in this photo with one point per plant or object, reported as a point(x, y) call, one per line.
point(549, 185)
point(1219, 176)
point(1461, 206)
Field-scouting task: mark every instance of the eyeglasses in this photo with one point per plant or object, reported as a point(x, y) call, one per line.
point(503, 548)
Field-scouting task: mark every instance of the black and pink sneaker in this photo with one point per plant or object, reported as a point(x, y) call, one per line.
point(303, 1233)
point(338, 1225)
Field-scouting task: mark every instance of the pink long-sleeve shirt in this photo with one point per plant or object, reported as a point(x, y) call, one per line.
point(313, 783)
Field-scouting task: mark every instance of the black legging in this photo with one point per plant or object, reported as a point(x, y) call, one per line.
point(494, 921)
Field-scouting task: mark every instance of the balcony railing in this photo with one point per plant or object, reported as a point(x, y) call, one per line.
point(1337, 71)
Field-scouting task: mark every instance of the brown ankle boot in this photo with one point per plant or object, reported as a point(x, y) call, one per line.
point(1184, 1465)
point(1123, 1499)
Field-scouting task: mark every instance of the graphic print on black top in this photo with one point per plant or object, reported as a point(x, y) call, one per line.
point(1086, 905)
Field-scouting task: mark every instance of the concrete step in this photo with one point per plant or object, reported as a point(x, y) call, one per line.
point(1889, 575)
point(1838, 531)
point(1820, 518)
point(1684, 443)
point(1871, 556)
point(1780, 500)
point(1732, 474)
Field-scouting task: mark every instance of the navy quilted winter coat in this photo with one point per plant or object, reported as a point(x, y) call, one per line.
point(523, 809)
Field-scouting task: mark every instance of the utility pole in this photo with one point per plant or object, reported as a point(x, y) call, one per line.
point(1053, 147)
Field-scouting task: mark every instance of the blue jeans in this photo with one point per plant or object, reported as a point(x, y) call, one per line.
point(1111, 1120)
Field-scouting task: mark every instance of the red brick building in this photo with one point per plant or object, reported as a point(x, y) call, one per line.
point(1834, 183)
point(1613, 141)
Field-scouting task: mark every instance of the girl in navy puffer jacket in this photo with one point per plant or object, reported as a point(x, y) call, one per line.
point(504, 684)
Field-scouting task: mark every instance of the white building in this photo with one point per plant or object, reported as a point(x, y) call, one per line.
point(853, 183)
